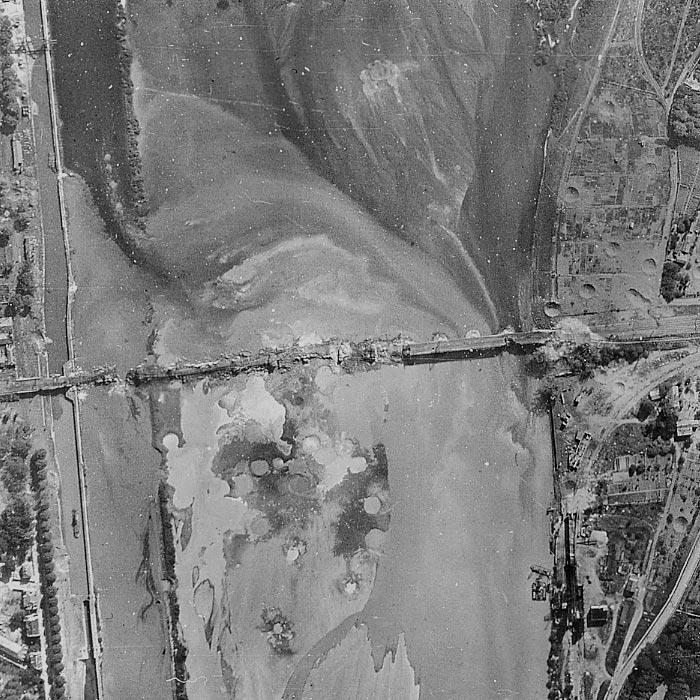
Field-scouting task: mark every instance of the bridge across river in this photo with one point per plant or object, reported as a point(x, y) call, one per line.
point(53, 384)
point(463, 348)
point(346, 354)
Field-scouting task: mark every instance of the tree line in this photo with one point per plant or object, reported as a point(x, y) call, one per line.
point(684, 118)
point(9, 85)
point(674, 659)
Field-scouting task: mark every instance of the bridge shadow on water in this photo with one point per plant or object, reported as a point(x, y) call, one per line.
point(471, 354)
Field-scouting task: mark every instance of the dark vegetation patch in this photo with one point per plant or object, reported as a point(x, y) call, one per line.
point(674, 280)
point(22, 299)
point(165, 492)
point(47, 575)
point(583, 360)
point(354, 522)
point(684, 118)
point(16, 520)
point(20, 681)
point(282, 505)
point(591, 23)
point(9, 85)
point(660, 25)
point(674, 659)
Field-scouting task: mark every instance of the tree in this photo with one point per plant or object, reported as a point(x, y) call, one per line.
point(16, 528)
point(583, 360)
point(17, 620)
point(664, 425)
point(537, 365)
point(25, 280)
point(646, 408)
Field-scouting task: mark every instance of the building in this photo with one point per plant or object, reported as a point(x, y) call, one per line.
point(17, 157)
point(30, 246)
point(30, 599)
point(7, 354)
point(598, 615)
point(6, 325)
point(684, 428)
point(11, 650)
point(31, 626)
point(36, 660)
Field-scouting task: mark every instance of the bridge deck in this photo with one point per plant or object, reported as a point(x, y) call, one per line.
point(465, 346)
point(345, 354)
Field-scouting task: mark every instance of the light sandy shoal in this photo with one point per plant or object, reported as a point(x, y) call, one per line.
point(283, 245)
point(189, 472)
point(348, 671)
point(468, 519)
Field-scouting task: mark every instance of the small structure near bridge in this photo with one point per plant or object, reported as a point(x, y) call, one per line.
point(17, 157)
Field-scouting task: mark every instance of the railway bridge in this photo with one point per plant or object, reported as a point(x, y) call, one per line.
point(27, 387)
point(463, 348)
point(346, 354)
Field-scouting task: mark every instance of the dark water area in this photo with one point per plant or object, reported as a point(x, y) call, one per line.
point(56, 280)
point(92, 105)
point(499, 211)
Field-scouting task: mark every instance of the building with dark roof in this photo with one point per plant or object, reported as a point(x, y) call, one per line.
point(598, 615)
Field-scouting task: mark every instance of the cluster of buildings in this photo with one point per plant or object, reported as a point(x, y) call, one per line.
point(638, 479)
point(27, 652)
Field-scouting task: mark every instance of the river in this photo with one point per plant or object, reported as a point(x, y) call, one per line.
point(469, 501)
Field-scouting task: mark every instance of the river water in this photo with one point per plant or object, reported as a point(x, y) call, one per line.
point(92, 104)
